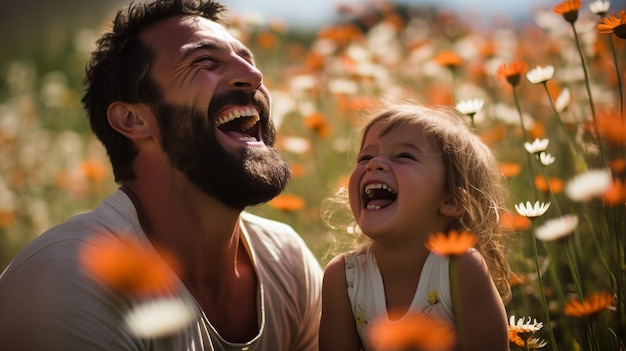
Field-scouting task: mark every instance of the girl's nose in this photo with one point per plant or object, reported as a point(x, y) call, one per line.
point(376, 164)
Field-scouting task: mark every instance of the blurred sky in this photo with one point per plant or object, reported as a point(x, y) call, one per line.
point(313, 13)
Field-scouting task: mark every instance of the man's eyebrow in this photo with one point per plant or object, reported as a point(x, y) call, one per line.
point(189, 50)
point(211, 46)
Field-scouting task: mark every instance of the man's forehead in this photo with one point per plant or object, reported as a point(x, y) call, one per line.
point(185, 30)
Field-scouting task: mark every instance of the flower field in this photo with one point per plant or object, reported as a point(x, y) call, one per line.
point(547, 96)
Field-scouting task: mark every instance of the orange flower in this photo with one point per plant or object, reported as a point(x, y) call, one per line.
point(614, 25)
point(616, 194)
point(126, 266)
point(267, 40)
point(569, 9)
point(94, 170)
point(448, 59)
point(556, 184)
point(7, 218)
point(518, 279)
point(453, 244)
point(297, 170)
point(420, 332)
point(512, 71)
point(592, 305)
point(536, 131)
point(510, 169)
point(341, 34)
point(618, 166)
point(612, 128)
point(514, 339)
point(288, 203)
point(514, 221)
point(318, 124)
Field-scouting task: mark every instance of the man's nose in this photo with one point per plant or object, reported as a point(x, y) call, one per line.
point(246, 75)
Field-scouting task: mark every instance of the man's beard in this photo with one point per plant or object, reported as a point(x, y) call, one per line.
point(238, 178)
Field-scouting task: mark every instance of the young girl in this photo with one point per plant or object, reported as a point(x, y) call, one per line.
point(420, 171)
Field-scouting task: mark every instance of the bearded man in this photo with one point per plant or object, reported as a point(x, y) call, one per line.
point(182, 111)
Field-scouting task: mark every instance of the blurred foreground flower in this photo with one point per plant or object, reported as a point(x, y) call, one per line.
point(124, 265)
point(160, 317)
point(591, 305)
point(415, 332)
point(557, 228)
point(288, 203)
point(616, 194)
point(588, 185)
point(453, 244)
point(611, 128)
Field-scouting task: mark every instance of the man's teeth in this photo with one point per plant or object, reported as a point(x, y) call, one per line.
point(249, 112)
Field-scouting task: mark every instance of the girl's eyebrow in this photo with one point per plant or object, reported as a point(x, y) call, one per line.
point(407, 145)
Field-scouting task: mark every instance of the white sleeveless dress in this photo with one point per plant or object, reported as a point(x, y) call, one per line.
point(367, 294)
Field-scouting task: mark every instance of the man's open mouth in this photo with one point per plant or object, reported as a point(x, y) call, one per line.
point(378, 195)
point(240, 122)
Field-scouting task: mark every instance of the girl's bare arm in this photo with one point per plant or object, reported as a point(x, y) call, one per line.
point(479, 311)
point(337, 327)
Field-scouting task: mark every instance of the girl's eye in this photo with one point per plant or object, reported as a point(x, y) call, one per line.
point(364, 158)
point(406, 155)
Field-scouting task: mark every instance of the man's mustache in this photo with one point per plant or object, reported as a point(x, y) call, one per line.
point(239, 97)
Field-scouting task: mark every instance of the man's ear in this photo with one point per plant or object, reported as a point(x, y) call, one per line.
point(452, 206)
point(128, 120)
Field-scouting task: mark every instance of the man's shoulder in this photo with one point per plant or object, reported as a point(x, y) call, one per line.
point(266, 225)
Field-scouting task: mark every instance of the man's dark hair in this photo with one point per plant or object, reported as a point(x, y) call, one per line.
point(119, 70)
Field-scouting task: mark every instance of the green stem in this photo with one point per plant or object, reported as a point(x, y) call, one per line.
point(619, 75)
point(580, 162)
point(456, 304)
point(528, 155)
point(544, 303)
point(588, 87)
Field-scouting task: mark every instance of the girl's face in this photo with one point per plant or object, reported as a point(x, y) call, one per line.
point(399, 185)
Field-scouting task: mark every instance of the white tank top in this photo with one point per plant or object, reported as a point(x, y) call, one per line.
point(367, 292)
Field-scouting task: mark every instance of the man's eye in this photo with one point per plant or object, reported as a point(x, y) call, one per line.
point(205, 60)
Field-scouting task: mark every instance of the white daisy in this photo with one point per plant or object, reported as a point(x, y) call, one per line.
point(557, 228)
point(522, 327)
point(296, 145)
point(599, 7)
point(537, 146)
point(536, 343)
point(540, 74)
point(562, 101)
point(588, 185)
point(160, 317)
point(470, 107)
point(546, 159)
point(532, 211)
